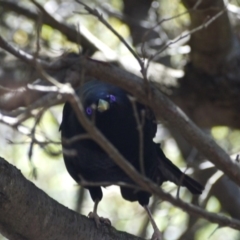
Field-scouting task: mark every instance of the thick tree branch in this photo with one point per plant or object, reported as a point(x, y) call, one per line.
point(26, 212)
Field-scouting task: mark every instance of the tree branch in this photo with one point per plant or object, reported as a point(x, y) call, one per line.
point(26, 212)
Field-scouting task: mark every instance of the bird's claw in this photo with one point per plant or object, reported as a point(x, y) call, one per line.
point(99, 220)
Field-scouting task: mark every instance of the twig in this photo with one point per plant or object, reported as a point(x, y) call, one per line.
point(33, 131)
point(140, 125)
point(76, 138)
point(208, 187)
point(29, 59)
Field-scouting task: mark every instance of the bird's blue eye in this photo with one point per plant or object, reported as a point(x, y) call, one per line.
point(112, 98)
point(89, 110)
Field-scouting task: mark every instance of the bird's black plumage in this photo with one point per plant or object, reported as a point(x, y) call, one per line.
point(117, 121)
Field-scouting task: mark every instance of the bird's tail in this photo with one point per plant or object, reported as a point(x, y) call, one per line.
point(172, 173)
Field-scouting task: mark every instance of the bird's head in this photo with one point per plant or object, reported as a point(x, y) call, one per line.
point(102, 104)
point(101, 98)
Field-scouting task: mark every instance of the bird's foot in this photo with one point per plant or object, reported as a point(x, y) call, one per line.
point(157, 235)
point(99, 220)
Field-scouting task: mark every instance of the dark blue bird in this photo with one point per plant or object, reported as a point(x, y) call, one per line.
point(114, 114)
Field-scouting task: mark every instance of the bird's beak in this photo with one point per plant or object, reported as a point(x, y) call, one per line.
point(102, 105)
